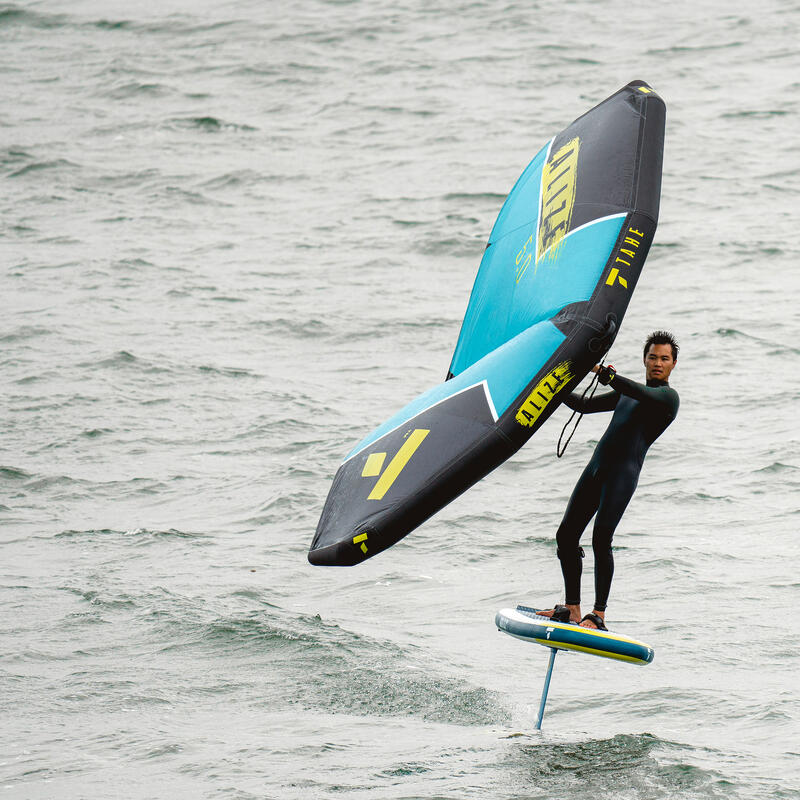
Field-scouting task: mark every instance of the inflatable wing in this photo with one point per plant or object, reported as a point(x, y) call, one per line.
point(562, 261)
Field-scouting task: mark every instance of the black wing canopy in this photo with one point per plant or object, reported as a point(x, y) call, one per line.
point(555, 281)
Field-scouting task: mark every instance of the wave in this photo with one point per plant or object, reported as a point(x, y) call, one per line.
point(321, 666)
point(210, 124)
point(11, 16)
point(634, 766)
point(40, 166)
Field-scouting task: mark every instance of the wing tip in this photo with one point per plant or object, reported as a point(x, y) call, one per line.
point(340, 554)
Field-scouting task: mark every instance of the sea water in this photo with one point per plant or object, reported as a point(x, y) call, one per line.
point(236, 237)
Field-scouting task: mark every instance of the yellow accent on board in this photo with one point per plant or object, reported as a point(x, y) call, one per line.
point(362, 537)
point(395, 466)
point(544, 391)
point(590, 650)
point(374, 465)
point(601, 636)
point(558, 197)
point(645, 89)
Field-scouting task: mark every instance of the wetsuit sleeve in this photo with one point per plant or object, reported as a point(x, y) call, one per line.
point(664, 396)
point(591, 405)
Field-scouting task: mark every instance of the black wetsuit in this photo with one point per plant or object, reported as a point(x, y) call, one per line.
point(641, 414)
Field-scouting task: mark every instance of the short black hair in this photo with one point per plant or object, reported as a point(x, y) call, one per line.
point(662, 337)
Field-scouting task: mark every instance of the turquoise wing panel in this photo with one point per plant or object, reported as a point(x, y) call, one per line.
point(504, 372)
point(504, 303)
point(521, 207)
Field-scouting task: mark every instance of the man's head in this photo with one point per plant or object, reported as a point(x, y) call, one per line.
point(660, 355)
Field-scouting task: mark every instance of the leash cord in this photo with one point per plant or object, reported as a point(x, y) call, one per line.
point(593, 386)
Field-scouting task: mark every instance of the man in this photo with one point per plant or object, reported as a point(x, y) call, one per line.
point(641, 414)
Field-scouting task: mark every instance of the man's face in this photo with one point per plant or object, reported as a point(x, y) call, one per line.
point(658, 362)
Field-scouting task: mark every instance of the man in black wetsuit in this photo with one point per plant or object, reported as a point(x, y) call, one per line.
point(641, 414)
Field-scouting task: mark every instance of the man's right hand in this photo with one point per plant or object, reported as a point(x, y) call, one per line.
point(605, 374)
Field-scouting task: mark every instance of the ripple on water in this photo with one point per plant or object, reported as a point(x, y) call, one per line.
point(625, 766)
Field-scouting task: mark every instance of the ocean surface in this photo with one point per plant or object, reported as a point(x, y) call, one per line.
point(235, 237)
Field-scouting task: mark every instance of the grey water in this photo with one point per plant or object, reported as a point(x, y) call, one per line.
point(235, 237)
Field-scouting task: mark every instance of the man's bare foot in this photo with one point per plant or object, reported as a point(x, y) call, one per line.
point(574, 612)
point(587, 622)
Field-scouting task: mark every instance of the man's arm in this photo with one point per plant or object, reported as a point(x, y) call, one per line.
point(591, 405)
point(664, 396)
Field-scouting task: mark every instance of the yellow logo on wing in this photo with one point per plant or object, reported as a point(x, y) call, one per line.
point(544, 391)
point(630, 249)
point(524, 258)
point(558, 196)
point(374, 465)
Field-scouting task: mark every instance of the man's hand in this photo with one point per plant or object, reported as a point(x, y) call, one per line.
point(604, 374)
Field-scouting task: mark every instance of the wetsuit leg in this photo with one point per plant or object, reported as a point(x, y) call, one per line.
point(580, 509)
point(614, 498)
